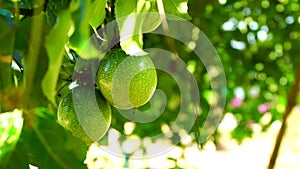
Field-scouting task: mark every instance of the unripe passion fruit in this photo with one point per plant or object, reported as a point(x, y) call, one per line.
point(126, 81)
point(85, 113)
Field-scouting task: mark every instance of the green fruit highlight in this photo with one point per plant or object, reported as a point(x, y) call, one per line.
point(126, 81)
point(85, 113)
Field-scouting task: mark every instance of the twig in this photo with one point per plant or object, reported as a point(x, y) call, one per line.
point(290, 104)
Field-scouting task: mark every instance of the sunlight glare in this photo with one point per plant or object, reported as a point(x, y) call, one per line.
point(262, 35)
point(222, 2)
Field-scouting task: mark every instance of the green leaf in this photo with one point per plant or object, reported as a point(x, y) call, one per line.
point(96, 12)
point(11, 124)
point(81, 34)
point(19, 155)
point(81, 40)
point(151, 22)
point(130, 24)
point(51, 146)
point(177, 7)
point(6, 48)
point(23, 35)
point(6, 38)
point(55, 44)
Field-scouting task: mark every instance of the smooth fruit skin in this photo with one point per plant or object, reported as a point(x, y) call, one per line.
point(126, 81)
point(85, 113)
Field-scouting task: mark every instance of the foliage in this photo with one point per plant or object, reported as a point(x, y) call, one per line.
point(258, 44)
point(40, 42)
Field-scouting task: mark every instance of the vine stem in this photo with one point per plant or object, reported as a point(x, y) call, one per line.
point(290, 104)
point(31, 62)
point(165, 26)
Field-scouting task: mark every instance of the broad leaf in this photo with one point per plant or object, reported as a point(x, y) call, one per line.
point(55, 44)
point(177, 7)
point(96, 12)
point(80, 39)
point(130, 24)
point(151, 22)
point(6, 46)
point(10, 129)
point(19, 155)
point(6, 36)
point(51, 146)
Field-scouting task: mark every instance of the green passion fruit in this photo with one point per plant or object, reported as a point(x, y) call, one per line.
point(126, 81)
point(85, 113)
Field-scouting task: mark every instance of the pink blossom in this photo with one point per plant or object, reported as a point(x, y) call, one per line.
point(264, 107)
point(236, 102)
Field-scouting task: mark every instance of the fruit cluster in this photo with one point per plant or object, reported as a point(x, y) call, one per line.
point(124, 81)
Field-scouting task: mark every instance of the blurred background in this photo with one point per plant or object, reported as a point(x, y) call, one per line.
point(258, 44)
point(251, 153)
